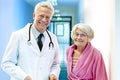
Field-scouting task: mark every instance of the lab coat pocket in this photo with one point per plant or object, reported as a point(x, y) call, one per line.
point(51, 52)
point(51, 55)
point(48, 57)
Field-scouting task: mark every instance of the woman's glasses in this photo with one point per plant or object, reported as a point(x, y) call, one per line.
point(80, 35)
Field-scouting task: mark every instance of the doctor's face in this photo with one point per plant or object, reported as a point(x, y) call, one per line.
point(42, 18)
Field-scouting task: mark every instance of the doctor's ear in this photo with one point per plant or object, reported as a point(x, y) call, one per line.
point(33, 15)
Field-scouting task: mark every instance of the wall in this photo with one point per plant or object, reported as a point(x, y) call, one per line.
point(80, 13)
point(69, 12)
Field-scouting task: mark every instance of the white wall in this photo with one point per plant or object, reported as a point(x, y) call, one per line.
point(100, 14)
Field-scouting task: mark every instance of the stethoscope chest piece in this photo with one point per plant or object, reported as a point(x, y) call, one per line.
point(51, 45)
point(29, 43)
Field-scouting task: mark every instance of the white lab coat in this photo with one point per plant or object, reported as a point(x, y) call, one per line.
point(22, 59)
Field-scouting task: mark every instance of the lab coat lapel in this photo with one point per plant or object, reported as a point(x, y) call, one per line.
point(34, 44)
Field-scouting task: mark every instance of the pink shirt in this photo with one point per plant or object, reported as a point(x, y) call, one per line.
point(90, 66)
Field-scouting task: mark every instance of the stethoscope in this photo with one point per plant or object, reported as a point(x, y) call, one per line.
point(29, 42)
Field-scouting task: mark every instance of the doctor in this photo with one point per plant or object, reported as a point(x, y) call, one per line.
point(23, 60)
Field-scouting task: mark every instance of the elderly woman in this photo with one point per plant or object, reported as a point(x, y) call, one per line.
point(84, 62)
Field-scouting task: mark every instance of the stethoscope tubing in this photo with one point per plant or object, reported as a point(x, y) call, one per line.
point(50, 43)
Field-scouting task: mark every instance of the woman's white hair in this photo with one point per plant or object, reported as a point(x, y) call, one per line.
point(44, 4)
point(84, 28)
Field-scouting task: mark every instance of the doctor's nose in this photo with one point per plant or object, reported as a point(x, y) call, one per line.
point(44, 19)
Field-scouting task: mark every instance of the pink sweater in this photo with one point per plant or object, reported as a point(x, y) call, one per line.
point(90, 65)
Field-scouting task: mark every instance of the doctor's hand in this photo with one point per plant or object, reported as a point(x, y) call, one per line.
point(53, 77)
point(28, 78)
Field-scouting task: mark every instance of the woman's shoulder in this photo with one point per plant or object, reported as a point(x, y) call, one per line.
point(71, 47)
point(97, 53)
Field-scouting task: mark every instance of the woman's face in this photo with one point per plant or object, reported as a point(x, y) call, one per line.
point(80, 38)
point(42, 18)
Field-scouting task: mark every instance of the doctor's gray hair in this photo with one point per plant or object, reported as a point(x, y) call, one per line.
point(44, 4)
point(84, 28)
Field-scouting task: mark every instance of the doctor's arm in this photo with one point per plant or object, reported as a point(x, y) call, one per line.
point(10, 57)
